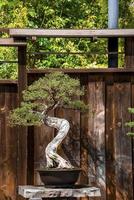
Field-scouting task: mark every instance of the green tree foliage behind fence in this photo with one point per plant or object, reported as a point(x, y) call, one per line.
point(77, 14)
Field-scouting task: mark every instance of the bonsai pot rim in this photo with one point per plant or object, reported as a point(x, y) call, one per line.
point(58, 169)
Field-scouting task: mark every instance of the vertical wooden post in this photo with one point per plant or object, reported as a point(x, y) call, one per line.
point(22, 75)
point(113, 52)
point(129, 52)
point(22, 131)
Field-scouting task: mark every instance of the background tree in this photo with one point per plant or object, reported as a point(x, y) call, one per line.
point(13, 14)
point(77, 14)
point(46, 94)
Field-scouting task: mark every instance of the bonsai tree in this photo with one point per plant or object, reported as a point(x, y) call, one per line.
point(131, 123)
point(52, 91)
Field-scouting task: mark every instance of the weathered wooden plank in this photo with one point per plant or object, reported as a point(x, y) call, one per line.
point(8, 141)
point(8, 81)
point(72, 32)
point(22, 131)
point(99, 71)
point(122, 143)
point(110, 152)
point(129, 52)
point(11, 143)
point(99, 128)
point(2, 154)
point(96, 134)
point(11, 42)
point(2, 140)
point(93, 134)
point(4, 30)
point(84, 133)
point(132, 118)
point(30, 156)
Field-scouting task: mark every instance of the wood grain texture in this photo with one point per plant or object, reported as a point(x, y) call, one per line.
point(71, 32)
point(11, 42)
point(96, 135)
point(12, 145)
point(84, 132)
point(93, 134)
point(2, 140)
point(22, 131)
point(30, 155)
point(84, 179)
point(22, 135)
point(123, 147)
point(33, 73)
point(132, 118)
point(129, 52)
point(8, 142)
point(110, 152)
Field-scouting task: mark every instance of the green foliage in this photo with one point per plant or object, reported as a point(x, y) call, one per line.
point(24, 115)
point(126, 14)
point(131, 123)
point(44, 95)
point(13, 14)
point(87, 60)
point(8, 70)
point(78, 14)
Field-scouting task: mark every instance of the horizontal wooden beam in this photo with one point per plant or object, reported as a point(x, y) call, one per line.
point(4, 30)
point(8, 61)
point(11, 42)
point(8, 81)
point(99, 70)
point(44, 53)
point(71, 33)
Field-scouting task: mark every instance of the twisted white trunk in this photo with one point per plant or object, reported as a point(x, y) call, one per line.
point(53, 159)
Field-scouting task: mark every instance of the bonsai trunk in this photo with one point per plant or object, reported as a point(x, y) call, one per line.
point(53, 159)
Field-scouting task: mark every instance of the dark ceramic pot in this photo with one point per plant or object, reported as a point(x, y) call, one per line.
point(59, 177)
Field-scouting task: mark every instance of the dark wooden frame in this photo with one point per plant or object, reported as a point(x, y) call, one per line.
point(19, 36)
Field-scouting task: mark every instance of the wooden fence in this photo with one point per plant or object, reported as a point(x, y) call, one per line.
point(96, 142)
